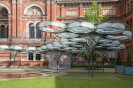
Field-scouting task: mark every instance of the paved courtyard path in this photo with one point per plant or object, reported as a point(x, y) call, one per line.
point(45, 72)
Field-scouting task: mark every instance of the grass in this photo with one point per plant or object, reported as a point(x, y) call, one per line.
point(73, 80)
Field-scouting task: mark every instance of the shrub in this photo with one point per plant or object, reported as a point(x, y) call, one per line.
point(129, 59)
point(118, 61)
point(95, 66)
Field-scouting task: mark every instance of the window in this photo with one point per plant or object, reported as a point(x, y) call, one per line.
point(86, 4)
point(129, 48)
point(33, 57)
point(30, 56)
point(127, 26)
point(72, 5)
point(128, 7)
point(3, 22)
point(38, 32)
point(34, 32)
point(31, 31)
point(4, 31)
point(109, 11)
point(130, 24)
point(38, 56)
point(112, 54)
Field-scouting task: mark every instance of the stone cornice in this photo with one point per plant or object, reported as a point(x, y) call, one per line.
point(34, 0)
point(82, 1)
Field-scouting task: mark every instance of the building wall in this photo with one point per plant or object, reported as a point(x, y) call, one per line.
point(66, 11)
point(126, 17)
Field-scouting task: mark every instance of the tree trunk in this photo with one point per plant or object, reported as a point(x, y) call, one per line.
point(92, 68)
point(103, 65)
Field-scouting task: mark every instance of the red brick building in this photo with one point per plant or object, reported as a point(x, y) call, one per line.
point(19, 23)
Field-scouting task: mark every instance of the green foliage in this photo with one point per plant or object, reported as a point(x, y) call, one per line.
point(118, 61)
point(95, 55)
point(94, 14)
point(129, 59)
point(74, 56)
point(83, 54)
point(95, 66)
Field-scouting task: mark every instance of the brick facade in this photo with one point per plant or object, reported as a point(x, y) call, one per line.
point(22, 13)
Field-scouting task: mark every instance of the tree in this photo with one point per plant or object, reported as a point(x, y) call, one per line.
point(94, 14)
point(118, 61)
point(129, 59)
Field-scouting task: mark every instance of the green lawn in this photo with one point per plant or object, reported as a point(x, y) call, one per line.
point(72, 80)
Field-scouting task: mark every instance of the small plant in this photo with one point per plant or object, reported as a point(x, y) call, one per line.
point(129, 59)
point(118, 61)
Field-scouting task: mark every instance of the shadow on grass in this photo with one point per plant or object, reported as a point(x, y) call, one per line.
point(100, 80)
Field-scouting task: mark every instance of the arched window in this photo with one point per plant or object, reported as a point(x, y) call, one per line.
point(31, 31)
point(127, 27)
point(130, 24)
point(4, 12)
point(4, 32)
point(38, 32)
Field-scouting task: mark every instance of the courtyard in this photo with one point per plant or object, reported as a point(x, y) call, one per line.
point(66, 44)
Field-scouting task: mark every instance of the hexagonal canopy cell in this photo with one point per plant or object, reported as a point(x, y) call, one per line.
point(67, 35)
